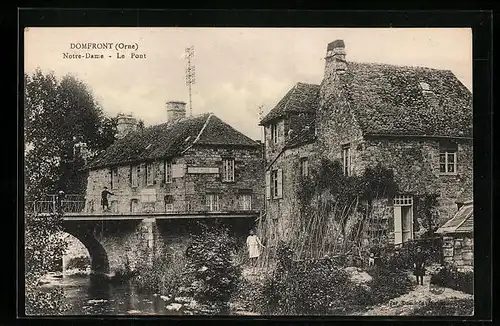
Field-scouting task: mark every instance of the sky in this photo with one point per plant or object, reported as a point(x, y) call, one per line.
point(238, 70)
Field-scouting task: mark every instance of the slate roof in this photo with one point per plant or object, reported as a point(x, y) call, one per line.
point(462, 222)
point(388, 100)
point(302, 97)
point(170, 139)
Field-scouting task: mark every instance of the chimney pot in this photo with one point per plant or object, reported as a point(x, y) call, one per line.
point(176, 110)
point(335, 58)
point(125, 123)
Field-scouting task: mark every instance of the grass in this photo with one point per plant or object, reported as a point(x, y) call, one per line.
point(449, 307)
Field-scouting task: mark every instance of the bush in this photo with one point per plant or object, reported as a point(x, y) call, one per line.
point(163, 277)
point(212, 275)
point(452, 278)
point(79, 263)
point(449, 307)
point(385, 285)
point(402, 258)
point(307, 287)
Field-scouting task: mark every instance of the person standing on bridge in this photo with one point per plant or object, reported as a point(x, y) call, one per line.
point(104, 199)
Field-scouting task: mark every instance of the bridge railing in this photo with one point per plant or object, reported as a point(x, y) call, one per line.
point(72, 203)
point(76, 203)
point(40, 206)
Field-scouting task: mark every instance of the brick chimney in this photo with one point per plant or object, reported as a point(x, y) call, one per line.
point(176, 110)
point(335, 58)
point(125, 123)
point(80, 151)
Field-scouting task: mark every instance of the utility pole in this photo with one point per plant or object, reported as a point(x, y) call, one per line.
point(190, 74)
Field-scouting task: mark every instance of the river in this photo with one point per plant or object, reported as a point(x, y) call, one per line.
point(87, 297)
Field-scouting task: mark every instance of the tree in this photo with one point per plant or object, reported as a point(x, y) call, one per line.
point(43, 250)
point(58, 114)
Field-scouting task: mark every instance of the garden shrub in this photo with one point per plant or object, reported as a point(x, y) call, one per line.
point(212, 274)
point(309, 287)
point(402, 258)
point(385, 285)
point(452, 278)
point(163, 277)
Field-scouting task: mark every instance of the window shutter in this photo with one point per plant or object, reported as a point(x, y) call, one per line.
point(143, 175)
point(130, 175)
point(398, 229)
point(280, 183)
point(268, 185)
point(154, 172)
point(350, 163)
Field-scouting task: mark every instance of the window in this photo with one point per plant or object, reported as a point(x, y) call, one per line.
point(245, 201)
point(346, 159)
point(114, 178)
point(274, 132)
point(169, 203)
point(149, 174)
point(168, 171)
point(274, 181)
point(425, 87)
point(448, 158)
point(134, 206)
point(212, 202)
point(403, 219)
point(228, 169)
point(134, 175)
point(304, 167)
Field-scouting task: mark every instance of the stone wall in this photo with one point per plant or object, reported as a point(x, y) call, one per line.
point(284, 210)
point(458, 250)
point(415, 163)
point(248, 172)
point(336, 125)
point(187, 189)
point(136, 243)
point(126, 243)
point(272, 149)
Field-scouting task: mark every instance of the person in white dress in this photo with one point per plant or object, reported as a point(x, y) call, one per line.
point(254, 246)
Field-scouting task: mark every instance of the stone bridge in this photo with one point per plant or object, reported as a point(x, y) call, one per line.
point(117, 240)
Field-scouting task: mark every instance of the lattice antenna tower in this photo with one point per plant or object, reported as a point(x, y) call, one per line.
point(190, 74)
point(261, 112)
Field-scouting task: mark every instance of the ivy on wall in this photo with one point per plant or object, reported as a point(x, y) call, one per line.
point(334, 208)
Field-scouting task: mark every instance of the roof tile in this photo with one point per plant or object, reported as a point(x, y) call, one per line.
point(170, 139)
point(302, 97)
point(388, 99)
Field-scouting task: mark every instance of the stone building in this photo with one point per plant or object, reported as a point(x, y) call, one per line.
point(458, 238)
point(415, 121)
point(186, 165)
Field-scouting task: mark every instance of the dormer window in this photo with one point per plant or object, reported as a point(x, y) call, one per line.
point(425, 87)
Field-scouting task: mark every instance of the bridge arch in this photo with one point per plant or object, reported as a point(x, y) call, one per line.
point(99, 262)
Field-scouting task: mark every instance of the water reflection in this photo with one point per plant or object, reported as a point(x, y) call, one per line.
point(90, 297)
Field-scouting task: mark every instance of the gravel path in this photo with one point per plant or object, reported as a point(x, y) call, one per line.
point(405, 304)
